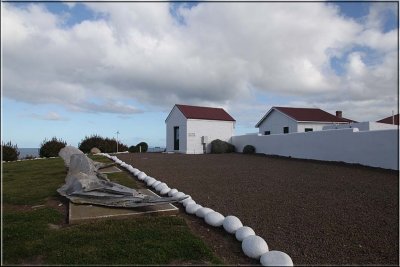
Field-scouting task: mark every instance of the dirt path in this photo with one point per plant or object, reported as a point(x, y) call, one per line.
point(317, 212)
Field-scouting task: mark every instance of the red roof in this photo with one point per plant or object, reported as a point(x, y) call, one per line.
point(205, 113)
point(308, 114)
point(389, 120)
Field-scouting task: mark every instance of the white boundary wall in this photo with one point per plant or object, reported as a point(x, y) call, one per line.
point(370, 148)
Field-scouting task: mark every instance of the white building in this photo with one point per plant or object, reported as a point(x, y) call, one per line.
point(280, 120)
point(363, 126)
point(190, 129)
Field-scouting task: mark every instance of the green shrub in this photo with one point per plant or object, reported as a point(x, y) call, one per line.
point(249, 149)
point(133, 149)
point(141, 147)
point(106, 145)
point(9, 151)
point(219, 146)
point(51, 148)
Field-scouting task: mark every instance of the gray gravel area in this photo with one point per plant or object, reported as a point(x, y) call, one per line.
point(317, 212)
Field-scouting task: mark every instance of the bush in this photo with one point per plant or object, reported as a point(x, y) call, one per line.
point(144, 146)
point(141, 147)
point(133, 149)
point(106, 145)
point(9, 151)
point(249, 149)
point(219, 146)
point(51, 148)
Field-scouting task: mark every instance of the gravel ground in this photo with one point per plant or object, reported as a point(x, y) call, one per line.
point(317, 212)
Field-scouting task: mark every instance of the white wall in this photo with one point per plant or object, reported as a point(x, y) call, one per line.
point(363, 126)
point(176, 118)
point(370, 148)
point(213, 129)
point(276, 121)
point(301, 126)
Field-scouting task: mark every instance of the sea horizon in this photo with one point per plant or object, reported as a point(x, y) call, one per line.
point(32, 151)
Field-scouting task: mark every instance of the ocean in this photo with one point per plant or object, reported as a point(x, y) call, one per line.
point(23, 152)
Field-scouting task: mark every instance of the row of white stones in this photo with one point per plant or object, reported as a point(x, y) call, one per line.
point(252, 245)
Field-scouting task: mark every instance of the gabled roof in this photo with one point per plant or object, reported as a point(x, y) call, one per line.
point(389, 120)
point(204, 113)
point(306, 115)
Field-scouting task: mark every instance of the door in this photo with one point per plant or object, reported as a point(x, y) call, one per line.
point(176, 138)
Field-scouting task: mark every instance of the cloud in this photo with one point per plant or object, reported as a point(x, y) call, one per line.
point(50, 116)
point(214, 54)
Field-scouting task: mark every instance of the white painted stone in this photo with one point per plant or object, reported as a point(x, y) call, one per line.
point(155, 184)
point(192, 208)
point(136, 171)
point(244, 232)
point(150, 181)
point(202, 212)
point(130, 168)
point(173, 191)
point(141, 176)
point(276, 258)
point(187, 202)
point(160, 187)
point(188, 198)
point(178, 195)
point(254, 246)
point(165, 190)
point(118, 161)
point(214, 218)
point(147, 178)
point(231, 224)
point(124, 165)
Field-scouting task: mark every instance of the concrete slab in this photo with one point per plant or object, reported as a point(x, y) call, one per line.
point(83, 213)
point(111, 169)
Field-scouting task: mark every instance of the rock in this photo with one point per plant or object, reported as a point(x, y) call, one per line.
point(173, 191)
point(254, 246)
point(95, 150)
point(81, 163)
point(214, 218)
point(231, 224)
point(136, 171)
point(244, 232)
point(141, 176)
point(160, 187)
point(188, 198)
point(179, 195)
point(192, 208)
point(165, 190)
point(150, 181)
point(66, 152)
point(202, 212)
point(130, 169)
point(155, 184)
point(276, 258)
point(187, 202)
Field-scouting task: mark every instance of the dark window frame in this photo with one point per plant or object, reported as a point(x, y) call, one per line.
point(286, 129)
point(308, 129)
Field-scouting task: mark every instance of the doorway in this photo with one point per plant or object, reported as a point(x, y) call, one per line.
point(176, 138)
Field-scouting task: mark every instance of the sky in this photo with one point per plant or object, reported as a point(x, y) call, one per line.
point(71, 70)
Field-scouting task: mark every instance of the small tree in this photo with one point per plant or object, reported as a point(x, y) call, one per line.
point(9, 151)
point(142, 147)
point(51, 148)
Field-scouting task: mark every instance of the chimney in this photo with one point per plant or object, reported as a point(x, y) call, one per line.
point(339, 113)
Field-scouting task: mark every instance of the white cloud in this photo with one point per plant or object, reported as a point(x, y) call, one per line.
point(222, 53)
point(50, 116)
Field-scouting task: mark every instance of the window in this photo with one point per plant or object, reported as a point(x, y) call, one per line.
point(267, 132)
point(285, 130)
point(308, 129)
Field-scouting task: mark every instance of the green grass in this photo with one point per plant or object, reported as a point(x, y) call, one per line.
point(28, 239)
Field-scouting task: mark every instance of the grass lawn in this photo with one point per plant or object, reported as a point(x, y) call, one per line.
point(34, 230)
